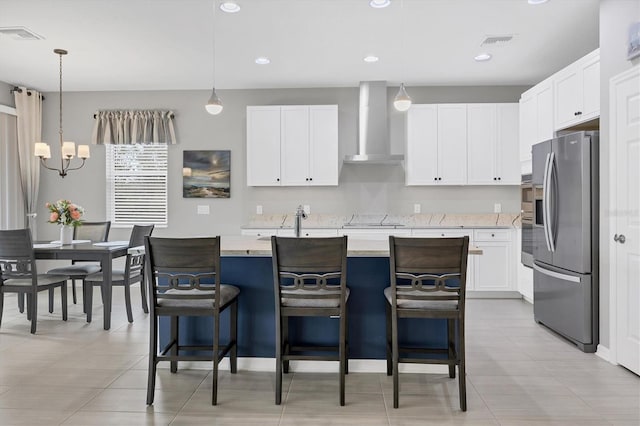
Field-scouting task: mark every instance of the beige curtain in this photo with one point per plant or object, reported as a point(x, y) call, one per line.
point(29, 109)
point(11, 200)
point(131, 127)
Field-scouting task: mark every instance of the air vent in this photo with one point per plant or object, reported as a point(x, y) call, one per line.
point(495, 40)
point(19, 33)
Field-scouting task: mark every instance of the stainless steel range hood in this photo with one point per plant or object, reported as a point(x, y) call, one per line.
point(373, 131)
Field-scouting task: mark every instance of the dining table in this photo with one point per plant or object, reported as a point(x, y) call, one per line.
point(85, 250)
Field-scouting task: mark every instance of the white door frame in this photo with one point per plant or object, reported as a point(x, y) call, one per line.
point(613, 144)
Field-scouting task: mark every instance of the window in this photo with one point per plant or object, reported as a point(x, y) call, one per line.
point(137, 184)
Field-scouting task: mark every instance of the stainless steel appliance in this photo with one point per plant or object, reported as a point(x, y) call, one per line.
point(565, 236)
point(526, 220)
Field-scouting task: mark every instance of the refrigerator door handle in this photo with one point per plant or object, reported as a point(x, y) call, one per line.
point(545, 201)
point(551, 202)
point(558, 275)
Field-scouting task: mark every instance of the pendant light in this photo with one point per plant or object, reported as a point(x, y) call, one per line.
point(214, 105)
point(402, 101)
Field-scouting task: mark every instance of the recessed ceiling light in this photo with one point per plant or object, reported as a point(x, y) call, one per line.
point(263, 60)
point(229, 7)
point(379, 4)
point(483, 57)
point(371, 58)
point(537, 1)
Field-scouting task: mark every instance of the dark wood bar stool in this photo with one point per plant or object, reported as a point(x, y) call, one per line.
point(184, 280)
point(428, 280)
point(309, 276)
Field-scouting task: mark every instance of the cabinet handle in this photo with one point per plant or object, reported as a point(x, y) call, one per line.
point(495, 178)
point(435, 178)
point(577, 113)
point(307, 179)
point(493, 235)
point(439, 178)
point(499, 178)
point(442, 235)
point(310, 178)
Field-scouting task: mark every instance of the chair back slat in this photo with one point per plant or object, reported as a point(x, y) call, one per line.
point(135, 261)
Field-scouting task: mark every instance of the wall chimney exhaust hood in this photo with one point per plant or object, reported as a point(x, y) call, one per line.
point(373, 131)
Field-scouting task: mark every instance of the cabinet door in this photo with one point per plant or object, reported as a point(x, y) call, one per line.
point(507, 146)
point(294, 142)
point(492, 268)
point(568, 92)
point(421, 162)
point(545, 112)
point(481, 144)
point(452, 144)
point(528, 131)
point(263, 146)
point(591, 88)
point(323, 145)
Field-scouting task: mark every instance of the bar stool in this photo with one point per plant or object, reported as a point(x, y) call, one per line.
point(309, 276)
point(428, 280)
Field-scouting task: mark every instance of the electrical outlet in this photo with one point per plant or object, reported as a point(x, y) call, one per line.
point(258, 209)
point(416, 208)
point(307, 209)
point(497, 208)
point(203, 209)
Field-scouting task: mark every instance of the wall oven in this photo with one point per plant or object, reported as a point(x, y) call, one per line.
point(527, 215)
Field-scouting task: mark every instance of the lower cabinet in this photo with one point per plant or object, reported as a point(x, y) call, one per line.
point(374, 234)
point(259, 232)
point(495, 268)
point(309, 232)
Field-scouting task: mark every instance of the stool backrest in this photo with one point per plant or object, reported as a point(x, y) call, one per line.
point(429, 268)
point(94, 231)
point(184, 265)
point(16, 255)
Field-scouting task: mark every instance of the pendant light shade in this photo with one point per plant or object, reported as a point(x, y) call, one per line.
point(214, 105)
point(402, 101)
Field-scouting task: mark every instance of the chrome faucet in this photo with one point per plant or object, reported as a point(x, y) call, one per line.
point(300, 214)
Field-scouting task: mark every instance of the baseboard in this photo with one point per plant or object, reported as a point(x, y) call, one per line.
point(493, 294)
point(355, 366)
point(604, 353)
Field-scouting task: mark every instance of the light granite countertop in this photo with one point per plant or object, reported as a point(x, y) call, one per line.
point(424, 220)
point(261, 246)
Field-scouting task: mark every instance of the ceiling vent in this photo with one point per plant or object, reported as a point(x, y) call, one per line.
point(496, 40)
point(19, 33)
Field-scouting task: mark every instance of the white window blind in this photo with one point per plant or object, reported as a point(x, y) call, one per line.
point(137, 184)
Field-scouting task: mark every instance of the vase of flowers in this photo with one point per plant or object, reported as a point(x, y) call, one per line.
point(67, 215)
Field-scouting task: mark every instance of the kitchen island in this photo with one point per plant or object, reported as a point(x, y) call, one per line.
point(246, 263)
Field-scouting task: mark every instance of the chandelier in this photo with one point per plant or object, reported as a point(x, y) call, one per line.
point(67, 149)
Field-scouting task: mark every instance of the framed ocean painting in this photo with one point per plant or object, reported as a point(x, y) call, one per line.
point(206, 174)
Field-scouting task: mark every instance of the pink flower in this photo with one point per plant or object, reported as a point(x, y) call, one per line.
point(54, 217)
point(47, 205)
point(75, 214)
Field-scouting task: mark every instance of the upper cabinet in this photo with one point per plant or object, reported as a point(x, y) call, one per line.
point(536, 120)
point(436, 152)
point(577, 91)
point(295, 145)
point(460, 144)
point(492, 144)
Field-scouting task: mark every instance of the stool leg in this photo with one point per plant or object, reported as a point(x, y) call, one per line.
point(73, 291)
point(51, 295)
point(216, 354)
point(462, 376)
point(174, 338)
point(153, 352)
point(21, 302)
point(342, 356)
point(285, 343)
point(389, 352)
point(63, 289)
point(233, 334)
point(451, 343)
point(279, 321)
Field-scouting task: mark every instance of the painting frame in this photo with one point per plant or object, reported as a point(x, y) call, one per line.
point(206, 174)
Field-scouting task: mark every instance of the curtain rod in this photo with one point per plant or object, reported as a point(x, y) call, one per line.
point(170, 116)
point(19, 90)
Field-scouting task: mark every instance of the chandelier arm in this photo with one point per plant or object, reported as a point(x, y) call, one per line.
point(68, 169)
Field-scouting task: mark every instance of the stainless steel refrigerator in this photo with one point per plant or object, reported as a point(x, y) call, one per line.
point(565, 237)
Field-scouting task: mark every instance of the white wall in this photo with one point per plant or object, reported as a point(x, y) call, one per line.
point(615, 18)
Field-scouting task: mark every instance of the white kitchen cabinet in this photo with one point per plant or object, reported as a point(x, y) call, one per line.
point(536, 120)
point(259, 232)
point(495, 268)
point(299, 143)
point(492, 144)
point(309, 232)
point(577, 91)
point(374, 233)
point(263, 146)
point(436, 145)
point(524, 273)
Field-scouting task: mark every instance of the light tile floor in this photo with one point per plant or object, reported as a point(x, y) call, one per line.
point(519, 373)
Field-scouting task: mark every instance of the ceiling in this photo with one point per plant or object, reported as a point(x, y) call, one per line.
point(168, 44)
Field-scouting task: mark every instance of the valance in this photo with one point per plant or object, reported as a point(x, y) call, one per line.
point(133, 126)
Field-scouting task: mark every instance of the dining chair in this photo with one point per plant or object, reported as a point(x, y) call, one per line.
point(78, 270)
point(133, 273)
point(184, 280)
point(18, 273)
point(428, 280)
point(310, 280)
